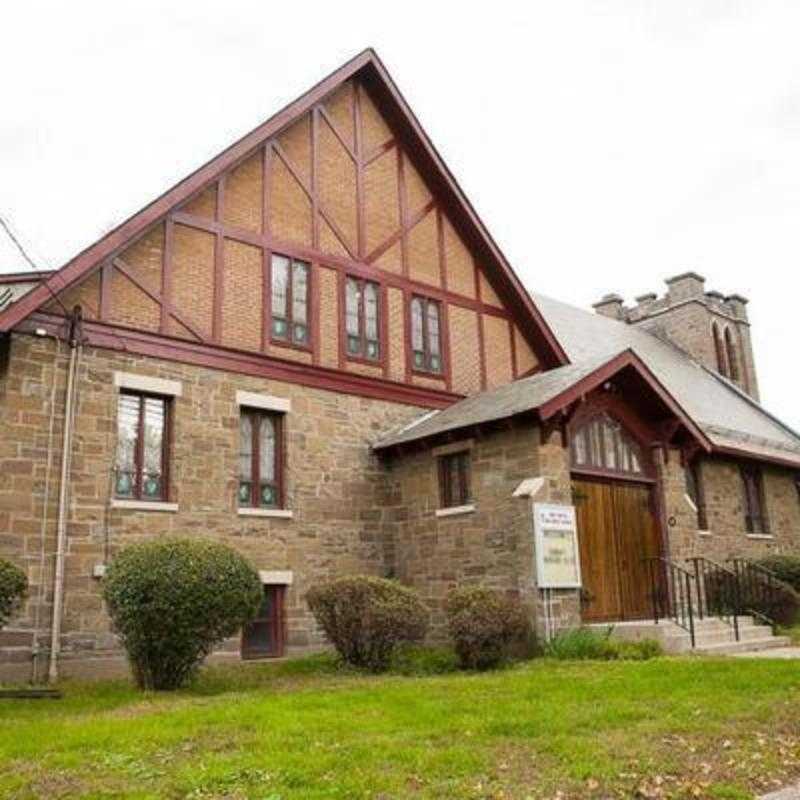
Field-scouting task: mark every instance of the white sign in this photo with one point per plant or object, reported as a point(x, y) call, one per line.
point(556, 540)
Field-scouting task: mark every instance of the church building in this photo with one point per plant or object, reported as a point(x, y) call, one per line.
point(313, 350)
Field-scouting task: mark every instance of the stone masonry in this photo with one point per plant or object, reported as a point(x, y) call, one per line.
point(335, 485)
point(353, 512)
point(491, 546)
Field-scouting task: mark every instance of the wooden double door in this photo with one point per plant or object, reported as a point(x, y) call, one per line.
point(617, 532)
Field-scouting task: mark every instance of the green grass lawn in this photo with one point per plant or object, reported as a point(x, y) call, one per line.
point(305, 729)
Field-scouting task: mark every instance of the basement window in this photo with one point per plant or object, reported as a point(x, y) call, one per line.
point(265, 636)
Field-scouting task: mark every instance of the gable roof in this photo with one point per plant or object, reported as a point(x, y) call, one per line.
point(721, 415)
point(733, 421)
point(369, 69)
point(545, 392)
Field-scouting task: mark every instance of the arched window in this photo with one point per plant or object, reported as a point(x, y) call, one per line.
point(722, 366)
point(733, 359)
point(601, 443)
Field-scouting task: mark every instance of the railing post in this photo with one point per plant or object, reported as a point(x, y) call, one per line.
point(688, 578)
point(698, 583)
point(651, 566)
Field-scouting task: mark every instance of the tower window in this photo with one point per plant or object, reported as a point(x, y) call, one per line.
point(719, 347)
point(733, 359)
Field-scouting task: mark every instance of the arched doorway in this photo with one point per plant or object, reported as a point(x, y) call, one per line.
point(613, 483)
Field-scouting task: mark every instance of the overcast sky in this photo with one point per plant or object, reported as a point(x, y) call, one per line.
point(607, 145)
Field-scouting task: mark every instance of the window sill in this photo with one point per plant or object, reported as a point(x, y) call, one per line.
point(303, 348)
point(424, 373)
point(454, 511)
point(759, 536)
point(368, 362)
point(143, 505)
point(275, 513)
point(701, 532)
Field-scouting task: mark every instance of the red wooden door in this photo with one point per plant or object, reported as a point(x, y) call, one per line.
point(617, 532)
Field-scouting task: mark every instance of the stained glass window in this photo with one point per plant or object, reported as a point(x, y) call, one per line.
point(426, 345)
point(260, 463)
point(696, 493)
point(141, 447)
point(361, 318)
point(602, 443)
point(755, 516)
point(290, 300)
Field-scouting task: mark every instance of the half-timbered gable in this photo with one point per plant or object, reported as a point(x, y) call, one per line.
point(331, 243)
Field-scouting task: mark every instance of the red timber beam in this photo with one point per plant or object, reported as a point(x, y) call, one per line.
point(155, 345)
point(350, 265)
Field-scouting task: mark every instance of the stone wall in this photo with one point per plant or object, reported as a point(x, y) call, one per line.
point(726, 536)
point(491, 546)
point(335, 486)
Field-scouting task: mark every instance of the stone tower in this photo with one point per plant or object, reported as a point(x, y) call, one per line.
point(711, 327)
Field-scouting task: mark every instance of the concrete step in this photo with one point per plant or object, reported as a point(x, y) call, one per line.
point(749, 646)
point(712, 635)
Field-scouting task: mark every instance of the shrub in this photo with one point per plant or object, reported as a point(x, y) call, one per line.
point(785, 568)
point(588, 644)
point(13, 588)
point(365, 618)
point(578, 644)
point(416, 660)
point(780, 605)
point(641, 650)
point(172, 600)
point(485, 626)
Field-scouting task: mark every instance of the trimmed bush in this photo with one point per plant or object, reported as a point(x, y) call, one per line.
point(365, 618)
point(785, 568)
point(13, 588)
point(172, 600)
point(587, 644)
point(485, 626)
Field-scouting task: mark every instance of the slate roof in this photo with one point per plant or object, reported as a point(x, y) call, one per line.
point(501, 403)
point(729, 418)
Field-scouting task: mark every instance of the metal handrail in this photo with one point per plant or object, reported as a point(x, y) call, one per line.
point(757, 585)
point(671, 593)
point(718, 592)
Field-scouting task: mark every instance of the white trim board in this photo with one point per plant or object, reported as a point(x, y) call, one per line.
point(266, 402)
point(146, 383)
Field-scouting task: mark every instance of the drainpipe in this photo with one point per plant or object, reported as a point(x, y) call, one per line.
point(63, 495)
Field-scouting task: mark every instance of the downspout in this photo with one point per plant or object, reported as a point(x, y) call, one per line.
point(63, 495)
point(37, 633)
